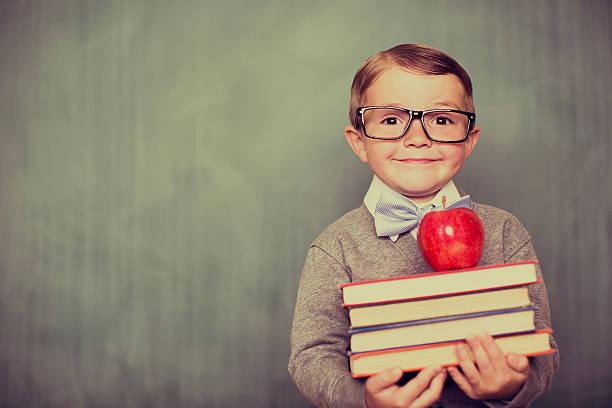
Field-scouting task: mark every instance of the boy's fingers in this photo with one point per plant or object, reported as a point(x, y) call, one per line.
point(460, 380)
point(431, 394)
point(383, 380)
point(481, 357)
point(492, 349)
point(420, 383)
point(470, 372)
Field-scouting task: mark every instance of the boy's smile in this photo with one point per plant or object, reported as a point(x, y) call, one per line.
point(414, 165)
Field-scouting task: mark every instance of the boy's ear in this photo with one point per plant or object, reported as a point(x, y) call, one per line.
point(355, 140)
point(471, 141)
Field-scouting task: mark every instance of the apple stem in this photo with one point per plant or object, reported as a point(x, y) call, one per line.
point(444, 203)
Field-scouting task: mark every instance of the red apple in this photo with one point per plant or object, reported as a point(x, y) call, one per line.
point(451, 239)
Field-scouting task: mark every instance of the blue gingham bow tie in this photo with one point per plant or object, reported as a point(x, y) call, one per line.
point(396, 214)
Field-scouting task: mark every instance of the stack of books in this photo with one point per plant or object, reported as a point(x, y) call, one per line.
point(416, 321)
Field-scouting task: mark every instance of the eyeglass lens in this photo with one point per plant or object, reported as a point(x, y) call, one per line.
point(385, 123)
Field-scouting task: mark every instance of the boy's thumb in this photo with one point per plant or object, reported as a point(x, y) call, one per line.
point(518, 362)
point(383, 379)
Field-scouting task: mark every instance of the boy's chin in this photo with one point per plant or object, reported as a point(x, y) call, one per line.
point(416, 188)
point(419, 195)
point(421, 198)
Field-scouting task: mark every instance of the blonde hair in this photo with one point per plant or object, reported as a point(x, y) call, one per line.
point(418, 58)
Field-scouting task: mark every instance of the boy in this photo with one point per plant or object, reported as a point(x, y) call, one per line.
point(412, 120)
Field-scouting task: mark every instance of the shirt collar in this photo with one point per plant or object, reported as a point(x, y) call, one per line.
point(378, 186)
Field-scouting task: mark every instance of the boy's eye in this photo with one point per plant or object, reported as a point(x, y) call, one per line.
point(442, 120)
point(390, 121)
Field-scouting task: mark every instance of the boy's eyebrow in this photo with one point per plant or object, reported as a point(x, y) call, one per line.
point(448, 103)
point(394, 105)
point(441, 104)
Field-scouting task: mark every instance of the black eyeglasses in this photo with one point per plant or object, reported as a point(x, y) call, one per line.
point(391, 123)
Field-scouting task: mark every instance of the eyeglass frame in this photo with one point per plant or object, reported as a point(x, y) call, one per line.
point(419, 115)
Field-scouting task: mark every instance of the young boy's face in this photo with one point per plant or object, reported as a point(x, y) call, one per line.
point(413, 165)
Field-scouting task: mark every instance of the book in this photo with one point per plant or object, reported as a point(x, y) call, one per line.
point(418, 357)
point(439, 283)
point(440, 306)
point(441, 329)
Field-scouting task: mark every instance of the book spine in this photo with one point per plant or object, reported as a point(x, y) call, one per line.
point(440, 295)
point(422, 275)
point(437, 319)
point(355, 355)
point(380, 302)
point(531, 354)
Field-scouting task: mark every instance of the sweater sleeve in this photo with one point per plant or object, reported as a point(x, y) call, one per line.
point(517, 247)
point(318, 363)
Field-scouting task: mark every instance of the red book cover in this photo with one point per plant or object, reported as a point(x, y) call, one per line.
point(436, 284)
point(399, 351)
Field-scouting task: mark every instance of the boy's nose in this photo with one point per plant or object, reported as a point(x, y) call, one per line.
point(415, 135)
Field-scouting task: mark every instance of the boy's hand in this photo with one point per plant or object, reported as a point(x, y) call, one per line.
point(422, 391)
point(492, 375)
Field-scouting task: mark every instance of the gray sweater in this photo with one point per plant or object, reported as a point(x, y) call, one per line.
point(350, 251)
